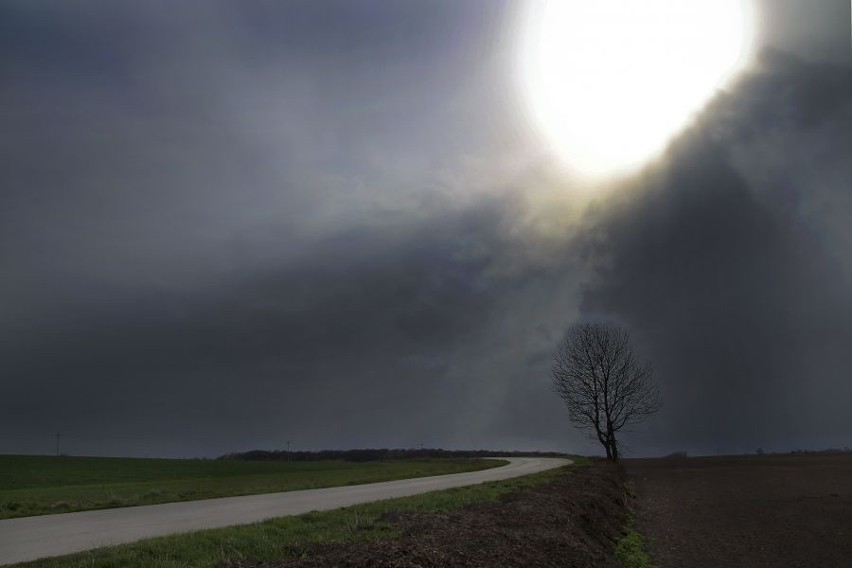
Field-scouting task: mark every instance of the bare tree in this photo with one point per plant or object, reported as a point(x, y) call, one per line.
point(602, 383)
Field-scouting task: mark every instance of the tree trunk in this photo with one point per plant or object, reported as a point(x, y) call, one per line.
point(611, 443)
point(608, 450)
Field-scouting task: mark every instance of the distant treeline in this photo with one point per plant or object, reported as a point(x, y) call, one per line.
point(375, 455)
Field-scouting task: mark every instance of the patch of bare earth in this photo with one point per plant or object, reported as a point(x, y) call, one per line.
point(749, 511)
point(574, 521)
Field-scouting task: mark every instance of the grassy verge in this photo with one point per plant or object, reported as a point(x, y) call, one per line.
point(630, 550)
point(38, 485)
point(288, 537)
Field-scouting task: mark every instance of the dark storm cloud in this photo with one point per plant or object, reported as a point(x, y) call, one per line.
point(731, 268)
point(226, 220)
point(226, 225)
point(146, 147)
point(816, 30)
point(363, 342)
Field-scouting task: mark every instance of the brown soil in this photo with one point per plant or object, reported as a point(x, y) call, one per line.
point(574, 521)
point(750, 511)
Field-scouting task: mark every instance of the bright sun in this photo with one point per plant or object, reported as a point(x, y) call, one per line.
point(611, 81)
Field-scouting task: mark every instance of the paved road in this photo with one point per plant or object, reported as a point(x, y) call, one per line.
point(29, 538)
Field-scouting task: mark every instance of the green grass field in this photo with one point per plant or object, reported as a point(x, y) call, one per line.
point(288, 537)
point(39, 485)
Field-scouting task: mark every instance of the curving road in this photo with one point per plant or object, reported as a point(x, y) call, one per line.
point(29, 538)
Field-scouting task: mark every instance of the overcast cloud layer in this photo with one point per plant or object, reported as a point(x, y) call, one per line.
point(230, 225)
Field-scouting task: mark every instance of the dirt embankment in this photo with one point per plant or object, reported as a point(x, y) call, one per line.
point(751, 511)
point(574, 521)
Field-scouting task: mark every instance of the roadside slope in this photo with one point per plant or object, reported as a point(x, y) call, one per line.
point(575, 519)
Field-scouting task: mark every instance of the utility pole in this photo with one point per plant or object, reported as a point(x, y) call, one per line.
point(57, 444)
point(288, 450)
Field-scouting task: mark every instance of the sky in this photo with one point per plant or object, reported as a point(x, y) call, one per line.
point(226, 225)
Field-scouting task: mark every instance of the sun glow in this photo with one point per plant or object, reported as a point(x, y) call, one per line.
point(609, 82)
